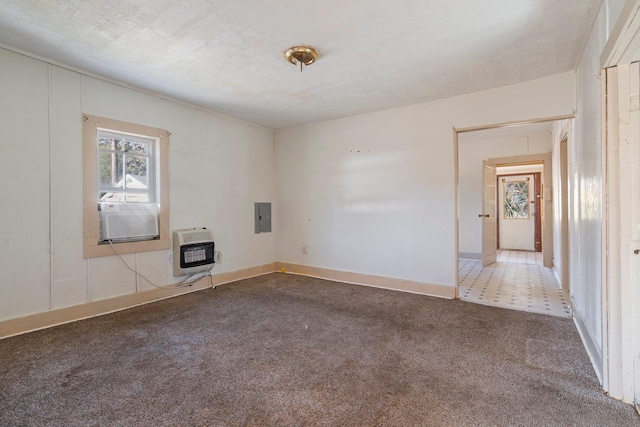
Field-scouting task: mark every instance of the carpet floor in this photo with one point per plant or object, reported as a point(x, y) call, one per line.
point(287, 350)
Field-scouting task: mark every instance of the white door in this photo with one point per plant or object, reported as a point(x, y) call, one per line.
point(516, 212)
point(621, 302)
point(488, 215)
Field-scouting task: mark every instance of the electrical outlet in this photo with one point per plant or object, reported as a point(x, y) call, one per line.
point(305, 249)
point(218, 257)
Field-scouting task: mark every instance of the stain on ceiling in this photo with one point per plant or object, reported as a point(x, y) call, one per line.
point(227, 55)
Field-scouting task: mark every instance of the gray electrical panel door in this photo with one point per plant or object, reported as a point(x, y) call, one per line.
point(263, 217)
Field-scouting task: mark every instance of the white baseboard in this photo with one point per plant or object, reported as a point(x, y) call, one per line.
point(593, 350)
point(60, 316)
point(555, 272)
point(441, 291)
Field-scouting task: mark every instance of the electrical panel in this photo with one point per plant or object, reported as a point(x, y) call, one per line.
point(263, 218)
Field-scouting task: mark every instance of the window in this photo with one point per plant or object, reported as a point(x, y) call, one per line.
point(126, 188)
point(125, 168)
point(516, 199)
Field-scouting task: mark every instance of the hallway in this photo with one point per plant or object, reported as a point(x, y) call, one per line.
point(517, 281)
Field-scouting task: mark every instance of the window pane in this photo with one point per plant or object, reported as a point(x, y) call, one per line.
point(109, 143)
point(137, 168)
point(133, 144)
point(516, 199)
point(106, 143)
point(137, 147)
point(110, 165)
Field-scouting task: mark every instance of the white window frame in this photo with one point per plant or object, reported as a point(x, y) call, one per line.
point(158, 180)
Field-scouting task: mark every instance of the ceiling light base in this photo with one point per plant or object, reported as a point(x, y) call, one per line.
point(301, 55)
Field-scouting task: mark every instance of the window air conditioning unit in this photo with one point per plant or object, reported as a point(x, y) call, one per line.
point(192, 251)
point(128, 221)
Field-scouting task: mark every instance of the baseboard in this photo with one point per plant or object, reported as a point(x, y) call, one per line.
point(245, 273)
point(60, 316)
point(470, 255)
point(422, 288)
point(594, 352)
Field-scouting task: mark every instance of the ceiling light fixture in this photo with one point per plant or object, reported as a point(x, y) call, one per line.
point(301, 56)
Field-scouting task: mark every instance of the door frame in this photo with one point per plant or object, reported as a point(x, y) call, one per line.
point(620, 304)
point(564, 172)
point(456, 148)
point(620, 135)
point(547, 224)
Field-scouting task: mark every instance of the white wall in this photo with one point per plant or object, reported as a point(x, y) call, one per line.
point(471, 153)
point(585, 177)
point(24, 193)
point(218, 168)
point(586, 183)
point(375, 193)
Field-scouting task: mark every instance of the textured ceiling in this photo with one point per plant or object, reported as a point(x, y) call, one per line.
point(227, 55)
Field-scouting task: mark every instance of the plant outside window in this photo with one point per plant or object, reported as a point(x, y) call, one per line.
point(516, 200)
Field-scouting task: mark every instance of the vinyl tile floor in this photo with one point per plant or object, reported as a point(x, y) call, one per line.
point(520, 283)
point(520, 257)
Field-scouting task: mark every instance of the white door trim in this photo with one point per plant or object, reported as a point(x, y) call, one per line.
point(456, 173)
point(623, 45)
point(547, 223)
point(621, 338)
point(620, 140)
point(518, 234)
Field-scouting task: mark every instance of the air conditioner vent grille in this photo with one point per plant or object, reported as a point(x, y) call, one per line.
point(124, 222)
point(137, 207)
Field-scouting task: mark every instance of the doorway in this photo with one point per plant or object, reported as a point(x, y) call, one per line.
point(521, 277)
point(519, 216)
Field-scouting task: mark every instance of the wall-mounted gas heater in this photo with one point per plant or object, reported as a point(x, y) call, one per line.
point(193, 251)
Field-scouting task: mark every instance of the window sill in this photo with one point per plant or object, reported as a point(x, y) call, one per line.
point(95, 250)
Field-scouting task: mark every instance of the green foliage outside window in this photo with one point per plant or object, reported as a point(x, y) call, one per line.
point(516, 200)
point(111, 161)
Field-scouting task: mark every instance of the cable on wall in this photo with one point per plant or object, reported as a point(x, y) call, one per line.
point(184, 283)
